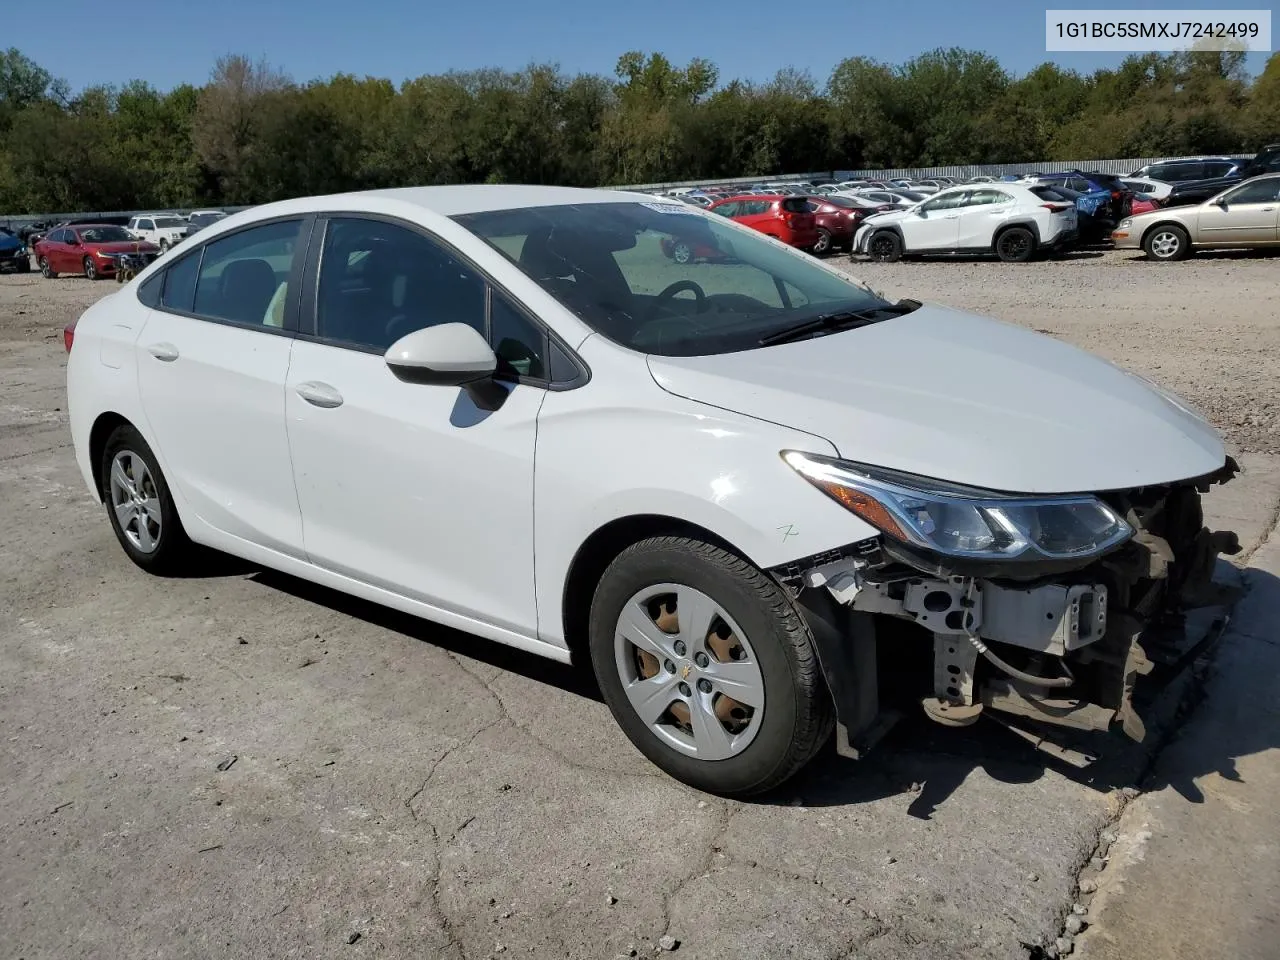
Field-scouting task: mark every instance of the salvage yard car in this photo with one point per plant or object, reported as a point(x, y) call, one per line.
point(1245, 216)
point(1013, 221)
point(91, 249)
point(506, 410)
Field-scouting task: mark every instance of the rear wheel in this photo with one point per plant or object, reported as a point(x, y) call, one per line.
point(824, 242)
point(885, 247)
point(1016, 245)
point(707, 666)
point(45, 271)
point(140, 506)
point(1166, 243)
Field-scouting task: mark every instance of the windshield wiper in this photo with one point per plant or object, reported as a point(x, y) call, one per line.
point(838, 320)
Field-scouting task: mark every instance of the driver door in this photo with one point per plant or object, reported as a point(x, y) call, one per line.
point(935, 224)
point(1248, 214)
point(411, 487)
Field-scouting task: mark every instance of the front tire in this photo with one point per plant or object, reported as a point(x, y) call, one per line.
point(90, 271)
point(1166, 243)
point(140, 506)
point(1016, 245)
point(682, 252)
point(885, 247)
point(707, 666)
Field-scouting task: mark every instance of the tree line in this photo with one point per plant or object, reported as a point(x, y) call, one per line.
point(252, 134)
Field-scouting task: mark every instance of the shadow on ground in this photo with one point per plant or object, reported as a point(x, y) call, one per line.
point(916, 756)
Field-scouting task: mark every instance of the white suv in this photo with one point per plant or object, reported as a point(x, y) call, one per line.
point(1012, 220)
point(163, 229)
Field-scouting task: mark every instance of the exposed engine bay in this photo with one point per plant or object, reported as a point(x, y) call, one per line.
point(1066, 647)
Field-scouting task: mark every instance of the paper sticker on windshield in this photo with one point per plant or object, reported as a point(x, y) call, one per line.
point(669, 207)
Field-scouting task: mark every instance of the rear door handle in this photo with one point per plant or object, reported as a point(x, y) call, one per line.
point(319, 394)
point(163, 351)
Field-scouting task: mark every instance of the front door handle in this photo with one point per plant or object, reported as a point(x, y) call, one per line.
point(952, 216)
point(319, 394)
point(163, 351)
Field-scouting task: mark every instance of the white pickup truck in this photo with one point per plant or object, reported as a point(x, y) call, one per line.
point(163, 229)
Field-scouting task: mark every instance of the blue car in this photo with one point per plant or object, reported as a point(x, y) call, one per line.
point(1118, 195)
point(13, 253)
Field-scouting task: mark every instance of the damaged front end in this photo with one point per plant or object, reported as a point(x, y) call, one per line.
point(1046, 639)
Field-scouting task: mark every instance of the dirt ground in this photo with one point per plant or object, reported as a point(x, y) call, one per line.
point(243, 765)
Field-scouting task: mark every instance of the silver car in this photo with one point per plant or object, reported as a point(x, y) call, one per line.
point(1247, 215)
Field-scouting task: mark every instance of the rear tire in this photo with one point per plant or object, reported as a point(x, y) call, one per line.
point(45, 272)
point(141, 508)
point(739, 606)
point(885, 247)
point(823, 246)
point(1016, 245)
point(1166, 243)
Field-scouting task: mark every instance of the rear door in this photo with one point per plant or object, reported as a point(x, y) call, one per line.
point(983, 210)
point(212, 360)
point(1248, 214)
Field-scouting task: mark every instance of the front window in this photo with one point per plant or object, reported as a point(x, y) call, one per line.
point(1256, 191)
point(664, 279)
point(104, 234)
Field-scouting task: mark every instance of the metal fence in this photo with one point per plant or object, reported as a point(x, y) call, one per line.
point(961, 172)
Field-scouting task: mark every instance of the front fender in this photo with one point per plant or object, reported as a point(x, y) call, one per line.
point(602, 458)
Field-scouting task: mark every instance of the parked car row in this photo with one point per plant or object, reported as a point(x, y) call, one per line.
point(97, 247)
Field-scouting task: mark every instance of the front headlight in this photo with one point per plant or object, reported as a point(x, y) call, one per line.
point(1126, 222)
point(962, 521)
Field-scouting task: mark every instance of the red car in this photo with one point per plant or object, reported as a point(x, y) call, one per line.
point(782, 217)
point(92, 249)
point(838, 219)
point(1142, 204)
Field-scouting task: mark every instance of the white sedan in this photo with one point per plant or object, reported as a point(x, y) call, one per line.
point(509, 411)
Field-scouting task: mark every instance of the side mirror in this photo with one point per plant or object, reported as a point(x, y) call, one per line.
point(449, 354)
point(1220, 202)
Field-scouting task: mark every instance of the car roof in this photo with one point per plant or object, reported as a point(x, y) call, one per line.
point(453, 200)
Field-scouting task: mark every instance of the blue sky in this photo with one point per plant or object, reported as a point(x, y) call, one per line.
point(175, 42)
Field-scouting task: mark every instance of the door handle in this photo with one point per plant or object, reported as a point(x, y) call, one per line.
point(952, 216)
point(1267, 209)
point(163, 351)
point(319, 394)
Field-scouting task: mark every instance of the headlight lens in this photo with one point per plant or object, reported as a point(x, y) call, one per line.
point(964, 522)
point(1126, 222)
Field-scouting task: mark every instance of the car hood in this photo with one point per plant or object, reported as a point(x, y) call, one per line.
point(953, 396)
point(889, 216)
point(124, 246)
point(9, 243)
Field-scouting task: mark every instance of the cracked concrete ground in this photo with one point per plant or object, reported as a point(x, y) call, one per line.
point(441, 796)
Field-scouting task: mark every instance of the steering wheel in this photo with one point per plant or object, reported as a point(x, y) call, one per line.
point(700, 297)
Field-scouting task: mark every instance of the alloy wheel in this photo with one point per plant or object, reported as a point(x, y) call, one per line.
point(90, 271)
point(681, 253)
point(1165, 244)
point(135, 501)
point(689, 671)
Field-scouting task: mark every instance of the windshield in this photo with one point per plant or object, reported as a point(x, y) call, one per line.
point(666, 279)
point(169, 223)
point(106, 234)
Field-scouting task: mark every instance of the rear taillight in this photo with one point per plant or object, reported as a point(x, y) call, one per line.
point(1115, 194)
point(1057, 207)
point(69, 335)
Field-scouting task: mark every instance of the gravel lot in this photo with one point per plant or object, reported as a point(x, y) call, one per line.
point(242, 765)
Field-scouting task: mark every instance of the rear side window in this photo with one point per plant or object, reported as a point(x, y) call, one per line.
point(179, 291)
point(795, 205)
point(244, 278)
point(1048, 193)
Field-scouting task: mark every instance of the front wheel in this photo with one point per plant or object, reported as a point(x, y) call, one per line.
point(1016, 245)
point(707, 666)
point(885, 247)
point(90, 269)
point(46, 271)
point(682, 252)
point(164, 247)
point(1167, 243)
